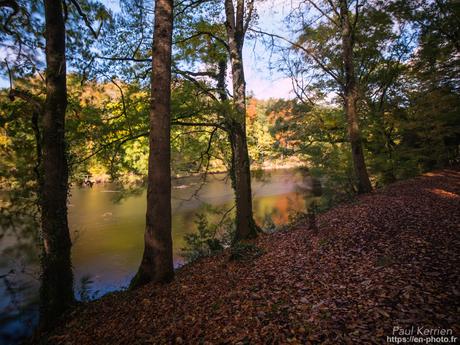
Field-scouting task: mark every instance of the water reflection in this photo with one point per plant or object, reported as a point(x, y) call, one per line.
point(107, 226)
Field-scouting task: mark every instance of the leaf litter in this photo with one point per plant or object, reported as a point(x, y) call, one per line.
point(389, 259)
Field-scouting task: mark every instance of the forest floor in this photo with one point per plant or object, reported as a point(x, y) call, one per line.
point(390, 259)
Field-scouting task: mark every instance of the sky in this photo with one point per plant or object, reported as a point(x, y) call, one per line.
point(262, 82)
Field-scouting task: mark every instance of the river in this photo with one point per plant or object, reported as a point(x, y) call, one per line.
point(107, 225)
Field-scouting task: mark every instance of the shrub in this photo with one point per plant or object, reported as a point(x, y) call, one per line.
point(203, 242)
point(268, 225)
point(242, 251)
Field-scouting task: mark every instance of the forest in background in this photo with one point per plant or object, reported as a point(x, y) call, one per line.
point(375, 97)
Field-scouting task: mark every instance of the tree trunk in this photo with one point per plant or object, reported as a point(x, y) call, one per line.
point(157, 261)
point(350, 93)
point(241, 175)
point(246, 227)
point(56, 293)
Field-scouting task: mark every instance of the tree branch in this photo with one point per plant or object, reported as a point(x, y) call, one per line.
point(205, 124)
point(200, 33)
point(85, 19)
point(116, 58)
point(312, 3)
point(15, 7)
point(119, 141)
point(249, 16)
point(309, 52)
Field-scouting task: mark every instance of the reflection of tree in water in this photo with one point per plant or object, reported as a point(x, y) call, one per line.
point(18, 288)
point(220, 214)
point(19, 273)
point(19, 219)
point(261, 175)
point(125, 191)
point(308, 186)
point(19, 312)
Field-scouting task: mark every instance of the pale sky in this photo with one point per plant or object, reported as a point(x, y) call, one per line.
point(262, 82)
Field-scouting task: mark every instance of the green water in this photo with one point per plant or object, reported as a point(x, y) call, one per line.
point(107, 226)
point(108, 233)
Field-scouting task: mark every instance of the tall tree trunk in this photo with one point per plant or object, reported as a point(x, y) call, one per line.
point(56, 293)
point(350, 93)
point(245, 225)
point(157, 261)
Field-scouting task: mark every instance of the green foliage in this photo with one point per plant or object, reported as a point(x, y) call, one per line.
point(409, 98)
point(19, 211)
point(318, 134)
point(204, 242)
point(260, 141)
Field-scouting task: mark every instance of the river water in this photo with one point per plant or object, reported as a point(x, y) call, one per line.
point(107, 225)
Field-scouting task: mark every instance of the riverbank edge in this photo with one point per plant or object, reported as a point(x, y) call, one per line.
point(133, 179)
point(60, 334)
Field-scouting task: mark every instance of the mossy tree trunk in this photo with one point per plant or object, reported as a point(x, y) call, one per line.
point(237, 20)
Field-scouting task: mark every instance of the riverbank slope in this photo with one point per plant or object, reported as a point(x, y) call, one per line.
point(390, 259)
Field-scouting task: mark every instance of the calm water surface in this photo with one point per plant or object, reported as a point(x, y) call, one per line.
point(108, 233)
point(107, 224)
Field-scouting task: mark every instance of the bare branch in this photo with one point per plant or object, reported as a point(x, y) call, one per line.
point(320, 10)
point(200, 33)
point(85, 19)
point(196, 74)
point(15, 7)
point(29, 98)
point(205, 124)
point(249, 16)
point(188, 6)
point(306, 50)
point(123, 58)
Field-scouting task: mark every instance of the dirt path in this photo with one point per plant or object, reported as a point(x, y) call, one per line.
point(391, 259)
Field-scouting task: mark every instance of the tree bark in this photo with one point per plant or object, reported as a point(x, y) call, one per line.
point(56, 293)
point(350, 94)
point(241, 175)
point(246, 227)
point(157, 261)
